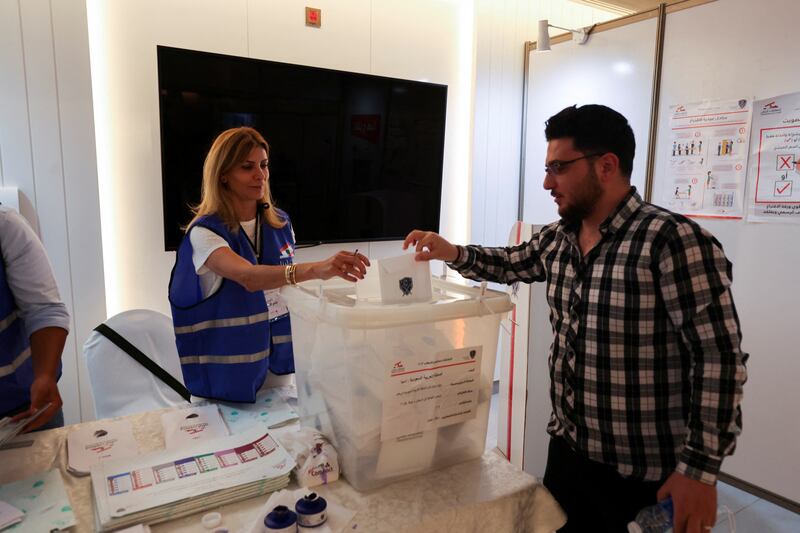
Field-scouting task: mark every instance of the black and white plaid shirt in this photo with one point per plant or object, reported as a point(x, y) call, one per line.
point(646, 365)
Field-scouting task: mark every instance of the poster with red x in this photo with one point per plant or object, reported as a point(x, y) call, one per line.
point(774, 172)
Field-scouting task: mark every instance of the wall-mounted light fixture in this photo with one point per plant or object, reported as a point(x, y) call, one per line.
point(579, 36)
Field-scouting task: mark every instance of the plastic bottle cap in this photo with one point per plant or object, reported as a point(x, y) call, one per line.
point(211, 520)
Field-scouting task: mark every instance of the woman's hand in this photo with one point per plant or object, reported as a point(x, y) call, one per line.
point(346, 265)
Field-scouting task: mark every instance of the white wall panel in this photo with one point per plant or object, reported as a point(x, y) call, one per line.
point(79, 170)
point(125, 35)
point(47, 150)
point(277, 32)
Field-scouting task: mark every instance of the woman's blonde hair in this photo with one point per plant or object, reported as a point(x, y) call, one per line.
point(231, 148)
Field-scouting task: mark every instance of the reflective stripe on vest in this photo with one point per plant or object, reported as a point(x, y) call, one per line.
point(281, 339)
point(223, 323)
point(224, 359)
point(7, 370)
point(7, 321)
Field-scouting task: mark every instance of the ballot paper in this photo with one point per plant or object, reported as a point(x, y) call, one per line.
point(9, 429)
point(43, 499)
point(106, 439)
point(169, 484)
point(185, 427)
point(270, 410)
point(9, 515)
point(405, 280)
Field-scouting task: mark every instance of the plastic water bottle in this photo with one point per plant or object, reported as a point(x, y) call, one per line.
point(658, 519)
point(653, 519)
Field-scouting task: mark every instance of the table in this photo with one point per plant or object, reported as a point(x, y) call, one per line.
point(487, 494)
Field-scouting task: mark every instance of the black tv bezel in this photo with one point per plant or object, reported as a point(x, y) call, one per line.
point(300, 242)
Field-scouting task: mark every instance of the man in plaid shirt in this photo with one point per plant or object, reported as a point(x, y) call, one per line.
point(646, 365)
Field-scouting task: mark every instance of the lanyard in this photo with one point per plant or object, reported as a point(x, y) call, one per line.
point(257, 245)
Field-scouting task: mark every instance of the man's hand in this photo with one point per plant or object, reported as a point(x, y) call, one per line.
point(430, 245)
point(44, 390)
point(694, 502)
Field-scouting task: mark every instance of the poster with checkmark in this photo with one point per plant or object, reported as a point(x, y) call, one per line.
point(705, 159)
point(775, 160)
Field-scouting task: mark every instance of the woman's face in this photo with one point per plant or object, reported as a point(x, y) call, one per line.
point(247, 180)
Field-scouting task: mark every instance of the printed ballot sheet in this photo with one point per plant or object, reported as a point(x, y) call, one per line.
point(775, 160)
point(186, 427)
point(425, 391)
point(123, 487)
point(706, 158)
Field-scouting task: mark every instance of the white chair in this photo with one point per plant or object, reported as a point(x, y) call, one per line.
point(120, 384)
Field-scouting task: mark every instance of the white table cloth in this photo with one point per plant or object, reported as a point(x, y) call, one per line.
point(487, 494)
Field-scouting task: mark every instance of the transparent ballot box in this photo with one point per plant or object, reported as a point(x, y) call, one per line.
point(399, 388)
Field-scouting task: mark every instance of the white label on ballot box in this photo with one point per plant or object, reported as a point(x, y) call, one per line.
point(429, 391)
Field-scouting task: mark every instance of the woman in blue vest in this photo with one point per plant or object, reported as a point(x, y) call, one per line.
point(231, 326)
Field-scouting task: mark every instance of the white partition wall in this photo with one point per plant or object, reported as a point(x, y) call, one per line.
point(606, 70)
point(726, 49)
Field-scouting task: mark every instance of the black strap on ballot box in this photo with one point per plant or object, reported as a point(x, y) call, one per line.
point(123, 344)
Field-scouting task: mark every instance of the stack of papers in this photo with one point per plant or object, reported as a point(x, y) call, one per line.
point(107, 439)
point(43, 499)
point(9, 429)
point(170, 484)
point(270, 410)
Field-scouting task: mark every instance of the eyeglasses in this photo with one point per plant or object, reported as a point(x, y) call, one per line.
point(556, 167)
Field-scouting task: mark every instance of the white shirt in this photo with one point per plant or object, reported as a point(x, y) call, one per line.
point(204, 243)
point(29, 274)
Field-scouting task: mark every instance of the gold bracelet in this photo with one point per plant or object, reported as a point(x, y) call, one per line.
point(286, 274)
point(293, 274)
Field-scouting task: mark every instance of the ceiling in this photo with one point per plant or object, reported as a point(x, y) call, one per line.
point(625, 7)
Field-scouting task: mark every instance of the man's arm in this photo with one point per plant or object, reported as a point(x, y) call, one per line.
point(47, 344)
point(501, 264)
point(694, 281)
point(30, 278)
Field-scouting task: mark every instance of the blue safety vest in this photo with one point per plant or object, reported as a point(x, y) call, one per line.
point(226, 341)
point(16, 365)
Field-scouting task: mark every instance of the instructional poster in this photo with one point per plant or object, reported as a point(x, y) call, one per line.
point(707, 158)
point(426, 391)
point(774, 172)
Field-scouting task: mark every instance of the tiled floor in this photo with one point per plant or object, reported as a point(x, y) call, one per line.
point(751, 513)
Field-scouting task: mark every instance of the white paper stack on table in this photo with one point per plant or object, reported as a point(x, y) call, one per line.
point(271, 410)
point(43, 499)
point(9, 429)
point(170, 484)
point(92, 443)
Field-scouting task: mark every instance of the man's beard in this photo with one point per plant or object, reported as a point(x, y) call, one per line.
point(585, 201)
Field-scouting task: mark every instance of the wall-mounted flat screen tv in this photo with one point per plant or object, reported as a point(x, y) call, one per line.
point(353, 157)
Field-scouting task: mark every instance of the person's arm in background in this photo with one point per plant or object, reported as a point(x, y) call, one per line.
point(30, 278)
point(507, 265)
point(694, 282)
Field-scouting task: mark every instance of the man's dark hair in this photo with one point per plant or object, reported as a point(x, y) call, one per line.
point(595, 129)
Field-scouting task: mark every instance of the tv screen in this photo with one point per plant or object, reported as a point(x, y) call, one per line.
point(353, 157)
